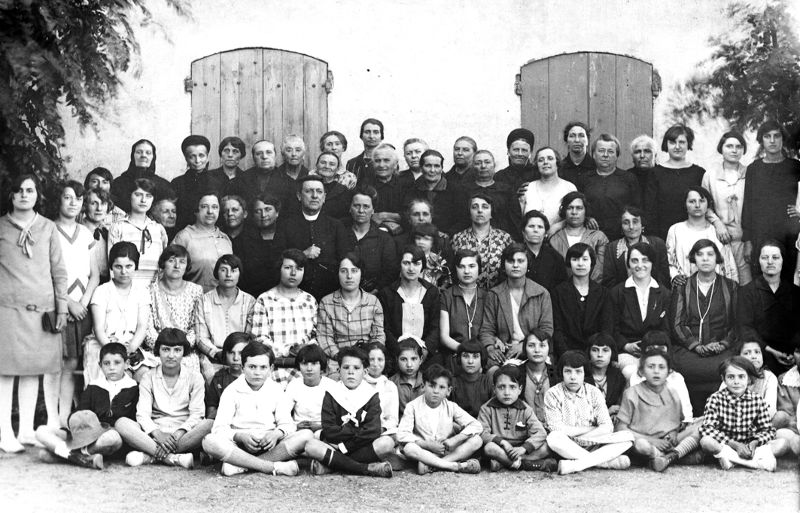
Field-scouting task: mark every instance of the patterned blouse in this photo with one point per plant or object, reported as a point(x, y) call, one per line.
point(490, 249)
point(283, 323)
point(340, 327)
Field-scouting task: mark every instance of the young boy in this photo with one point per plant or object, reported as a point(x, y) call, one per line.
point(472, 388)
point(250, 429)
point(170, 409)
point(232, 352)
point(428, 428)
point(350, 440)
point(108, 399)
point(580, 426)
point(304, 397)
point(513, 436)
point(736, 425)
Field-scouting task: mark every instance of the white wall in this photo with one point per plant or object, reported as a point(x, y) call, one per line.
point(434, 69)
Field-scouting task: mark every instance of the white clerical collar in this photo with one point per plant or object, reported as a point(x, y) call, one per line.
point(312, 217)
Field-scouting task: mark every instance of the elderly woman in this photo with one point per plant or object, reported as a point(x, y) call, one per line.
point(581, 307)
point(461, 312)
point(615, 268)
point(142, 165)
point(337, 196)
point(411, 306)
point(545, 264)
point(640, 304)
point(545, 193)
point(514, 308)
point(165, 213)
point(258, 248)
point(227, 178)
point(703, 316)
point(336, 142)
point(643, 153)
point(608, 188)
point(682, 237)
point(433, 186)
point(33, 283)
point(172, 300)
point(373, 245)
point(769, 309)
point(204, 241)
point(505, 207)
point(726, 185)
point(221, 311)
point(573, 210)
point(463, 150)
point(149, 237)
point(348, 316)
point(482, 237)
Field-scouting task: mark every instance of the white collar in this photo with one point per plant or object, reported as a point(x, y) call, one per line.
point(311, 217)
point(630, 283)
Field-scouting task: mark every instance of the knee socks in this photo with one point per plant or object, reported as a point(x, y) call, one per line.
point(339, 461)
point(278, 453)
point(686, 446)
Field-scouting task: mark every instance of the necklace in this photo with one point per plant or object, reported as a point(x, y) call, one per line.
point(470, 316)
point(702, 314)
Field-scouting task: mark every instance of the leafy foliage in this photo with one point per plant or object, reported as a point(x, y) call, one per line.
point(753, 73)
point(60, 52)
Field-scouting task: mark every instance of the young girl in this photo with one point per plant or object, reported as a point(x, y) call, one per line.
point(765, 384)
point(472, 387)
point(351, 439)
point(83, 276)
point(736, 426)
point(581, 430)
point(232, 351)
point(539, 374)
point(120, 309)
point(428, 432)
point(251, 428)
point(387, 389)
point(408, 378)
point(513, 436)
point(604, 374)
point(652, 412)
point(303, 397)
point(149, 237)
point(436, 271)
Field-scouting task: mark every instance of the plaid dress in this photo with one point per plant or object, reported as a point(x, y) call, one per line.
point(742, 419)
point(281, 322)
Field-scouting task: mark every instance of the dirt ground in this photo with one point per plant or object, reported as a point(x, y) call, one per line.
point(26, 485)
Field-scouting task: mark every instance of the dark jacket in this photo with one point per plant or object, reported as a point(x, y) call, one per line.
point(444, 198)
point(771, 318)
point(96, 399)
point(392, 305)
point(188, 189)
point(353, 434)
point(628, 324)
point(615, 385)
point(377, 250)
point(573, 327)
point(123, 186)
point(615, 267)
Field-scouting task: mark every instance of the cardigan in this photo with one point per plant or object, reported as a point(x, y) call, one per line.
point(575, 319)
point(685, 318)
point(393, 317)
point(535, 311)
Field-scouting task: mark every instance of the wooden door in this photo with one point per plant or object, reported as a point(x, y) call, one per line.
point(611, 93)
point(260, 93)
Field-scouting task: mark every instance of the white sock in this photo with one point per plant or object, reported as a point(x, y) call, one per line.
point(61, 450)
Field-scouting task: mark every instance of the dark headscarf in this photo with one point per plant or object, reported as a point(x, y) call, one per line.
point(132, 165)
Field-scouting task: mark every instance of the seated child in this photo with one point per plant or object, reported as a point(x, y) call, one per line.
point(604, 374)
point(387, 390)
point(736, 425)
point(766, 384)
point(428, 428)
point(251, 428)
point(232, 354)
point(539, 375)
point(513, 436)
point(652, 412)
point(788, 397)
point(120, 310)
point(303, 397)
point(580, 428)
point(408, 378)
point(351, 439)
point(472, 387)
point(675, 381)
point(112, 396)
point(170, 409)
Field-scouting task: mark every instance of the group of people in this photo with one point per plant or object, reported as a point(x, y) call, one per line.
point(558, 314)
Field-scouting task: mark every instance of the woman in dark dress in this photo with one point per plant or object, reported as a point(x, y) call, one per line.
point(580, 306)
point(703, 317)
